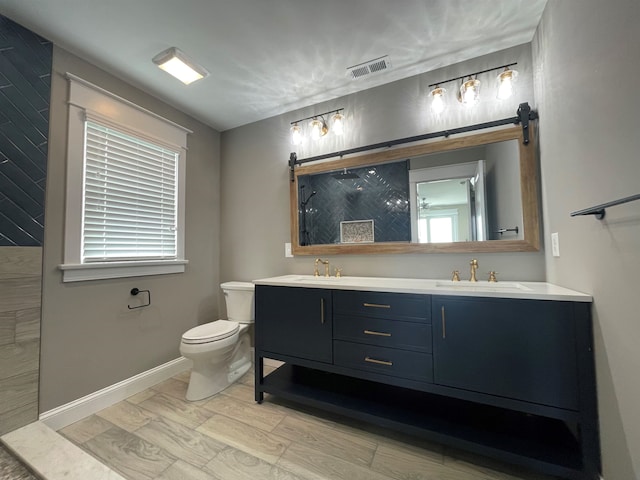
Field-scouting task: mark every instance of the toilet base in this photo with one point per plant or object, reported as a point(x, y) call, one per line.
point(235, 375)
point(208, 378)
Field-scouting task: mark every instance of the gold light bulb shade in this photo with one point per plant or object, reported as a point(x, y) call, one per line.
point(469, 92)
point(324, 129)
point(319, 128)
point(437, 100)
point(505, 83)
point(296, 134)
point(337, 123)
point(507, 74)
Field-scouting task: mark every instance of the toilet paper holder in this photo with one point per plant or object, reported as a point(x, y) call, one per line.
point(136, 291)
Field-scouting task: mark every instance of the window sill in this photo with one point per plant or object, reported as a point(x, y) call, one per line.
point(98, 271)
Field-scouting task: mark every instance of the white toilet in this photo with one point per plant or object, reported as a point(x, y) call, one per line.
point(221, 350)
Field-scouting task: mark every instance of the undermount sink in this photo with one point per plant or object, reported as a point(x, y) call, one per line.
point(484, 285)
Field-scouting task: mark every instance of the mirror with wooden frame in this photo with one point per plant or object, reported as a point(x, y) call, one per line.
point(475, 193)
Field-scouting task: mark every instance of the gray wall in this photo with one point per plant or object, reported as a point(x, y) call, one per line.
point(90, 339)
point(586, 62)
point(255, 181)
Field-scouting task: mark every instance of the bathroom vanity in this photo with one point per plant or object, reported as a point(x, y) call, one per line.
point(504, 370)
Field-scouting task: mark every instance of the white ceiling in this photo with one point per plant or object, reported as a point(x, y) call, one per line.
point(267, 57)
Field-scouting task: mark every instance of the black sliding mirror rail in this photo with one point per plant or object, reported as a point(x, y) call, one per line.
point(524, 115)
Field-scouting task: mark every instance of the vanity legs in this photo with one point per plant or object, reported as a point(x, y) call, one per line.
point(259, 373)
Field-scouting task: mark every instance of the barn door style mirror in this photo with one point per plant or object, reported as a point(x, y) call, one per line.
point(474, 193)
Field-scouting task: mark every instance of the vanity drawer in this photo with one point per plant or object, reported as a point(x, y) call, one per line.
point(383, 332)
point(392, 306)
point(388, 361)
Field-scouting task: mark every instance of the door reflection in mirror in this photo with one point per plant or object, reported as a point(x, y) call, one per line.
point(466, 195)
point(449, 203)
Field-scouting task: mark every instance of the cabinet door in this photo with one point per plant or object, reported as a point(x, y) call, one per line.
point(521, 349)
point(295, 322)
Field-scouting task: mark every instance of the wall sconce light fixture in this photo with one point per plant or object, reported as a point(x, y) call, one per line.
point(178, 64)
point(469, 92)
point(506, 80)
point(437, 100)
point(337, 126)
point(296, 134)
point(318, 126)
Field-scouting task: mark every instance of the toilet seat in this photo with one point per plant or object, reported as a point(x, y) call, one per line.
point(210, 332)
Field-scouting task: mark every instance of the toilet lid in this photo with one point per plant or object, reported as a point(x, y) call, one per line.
point(210, 332)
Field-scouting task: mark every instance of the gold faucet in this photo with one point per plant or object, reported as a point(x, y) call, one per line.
point(474, 267)
point(455, 276)
point(326, 267)
point(492, 276)
point(338, 272)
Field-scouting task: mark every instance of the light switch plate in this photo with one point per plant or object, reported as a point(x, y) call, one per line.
point(287, 250)
point(555, 244)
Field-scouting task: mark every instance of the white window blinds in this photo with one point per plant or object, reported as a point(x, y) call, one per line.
point(130, 194)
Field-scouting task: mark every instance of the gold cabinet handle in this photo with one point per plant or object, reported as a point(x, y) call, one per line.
point(444, 324)
point(379, 362)
point(322, 311)
point(376, 305)
point(380, 334)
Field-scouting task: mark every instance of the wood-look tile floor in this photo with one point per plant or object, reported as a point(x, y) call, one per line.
point(158, 435)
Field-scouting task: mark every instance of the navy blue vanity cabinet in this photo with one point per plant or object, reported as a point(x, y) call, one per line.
point(294, 322)
point(511, 348)
point(383, 333)
point(512, 379)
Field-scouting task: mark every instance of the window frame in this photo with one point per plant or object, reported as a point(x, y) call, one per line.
point(89, 100)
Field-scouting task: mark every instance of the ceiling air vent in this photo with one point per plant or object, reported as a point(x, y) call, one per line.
point(367, 68)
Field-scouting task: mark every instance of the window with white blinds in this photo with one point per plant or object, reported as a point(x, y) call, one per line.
point(126, 187)
point(130, 197)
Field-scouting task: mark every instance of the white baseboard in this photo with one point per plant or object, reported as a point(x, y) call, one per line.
point(71, 412)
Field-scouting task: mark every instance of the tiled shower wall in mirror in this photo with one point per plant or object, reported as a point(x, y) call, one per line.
point(378, 193)
point(25, 84)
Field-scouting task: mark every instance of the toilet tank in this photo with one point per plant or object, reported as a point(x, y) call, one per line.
point(239, 299)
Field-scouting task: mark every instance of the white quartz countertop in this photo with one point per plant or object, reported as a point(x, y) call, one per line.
point(506, 289)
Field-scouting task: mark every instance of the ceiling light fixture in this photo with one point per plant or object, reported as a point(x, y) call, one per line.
point(469, 91)
point(178, 64)
point(318, 126)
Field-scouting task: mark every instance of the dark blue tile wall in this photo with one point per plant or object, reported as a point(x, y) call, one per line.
point(25, 85)
point(380, 193)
